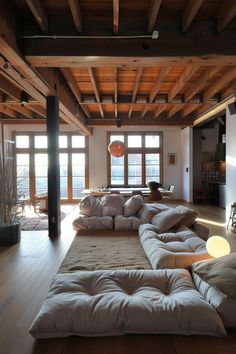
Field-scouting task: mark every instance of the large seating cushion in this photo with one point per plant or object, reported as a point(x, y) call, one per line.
point(122, 223)
point(190, 215)
point(132, 205)
point(90, 206)
point(219, 273)
point(225, 306)
point(147, 211)
point(107, 303)
point(93, 223)
point(172, 249)
point(112, 204)
point(166, 219)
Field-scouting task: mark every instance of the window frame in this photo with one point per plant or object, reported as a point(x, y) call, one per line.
point(143, 150)
point(31, 150)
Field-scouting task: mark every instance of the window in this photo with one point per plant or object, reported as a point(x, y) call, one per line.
point(32, 164)
point(141, 162)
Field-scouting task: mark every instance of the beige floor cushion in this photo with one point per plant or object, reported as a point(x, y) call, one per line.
point(216, 281)
point(177, 249)
point(93, 223)
point(108, 303)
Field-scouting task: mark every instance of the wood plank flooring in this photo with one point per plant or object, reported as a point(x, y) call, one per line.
point(26, 271)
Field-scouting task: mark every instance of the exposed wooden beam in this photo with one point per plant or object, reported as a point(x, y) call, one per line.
point(39, 14)
point(9, 89)
point(135, 90)
point(226, 13)
point(95, 87)
point(135, 121)
point(156, 87)
point(208, 113)
point(190, 11)
point(116, 16)
point(116, 91)
point(20, 80)
point(187, 110)
point(21, 109)
point(152, 14)
point(41, 111)
point(184, 78)
point(70, 111)
point(76, 14)
point(228, 76)
point(159, 110)
point(74, 87)
point(8, 111)
point(174, 110)
point(22, 72)
point(171, 50)
point(200, 82)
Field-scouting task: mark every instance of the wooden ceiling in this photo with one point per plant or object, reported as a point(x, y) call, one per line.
point(104, 61)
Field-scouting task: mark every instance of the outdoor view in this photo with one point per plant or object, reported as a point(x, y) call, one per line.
point(32, 165)
point(141, 162)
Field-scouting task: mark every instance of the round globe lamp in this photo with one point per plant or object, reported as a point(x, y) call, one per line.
point(217, 246)
point(116, 148)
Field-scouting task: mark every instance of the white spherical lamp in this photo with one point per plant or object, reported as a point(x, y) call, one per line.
point(217, 246)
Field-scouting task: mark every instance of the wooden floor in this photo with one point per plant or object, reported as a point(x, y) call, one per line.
point(26, 270)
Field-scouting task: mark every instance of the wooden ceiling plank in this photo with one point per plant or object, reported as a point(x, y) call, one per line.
point(9, 89)
point(116, 16)
point(39, 14)
point(226, 13)
point(153, 13)
point(95, 87)
point(76, 14)
point(74, 88)
point(184, 78)
point(228, 76)
point(156, 87)
point(135, 90)
point(200, 82)
point(190, 11)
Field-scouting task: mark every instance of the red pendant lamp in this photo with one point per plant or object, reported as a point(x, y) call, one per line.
point(116, 148)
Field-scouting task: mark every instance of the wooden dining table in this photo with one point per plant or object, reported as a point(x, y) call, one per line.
point(99, 192)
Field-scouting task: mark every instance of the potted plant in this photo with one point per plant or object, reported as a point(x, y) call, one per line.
point(9, 226)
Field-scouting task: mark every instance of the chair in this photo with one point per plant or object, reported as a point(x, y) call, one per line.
point(199, 195)
point(169, 193)
point(154, 196)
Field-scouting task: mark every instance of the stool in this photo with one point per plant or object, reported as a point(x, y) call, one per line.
point(232, 215)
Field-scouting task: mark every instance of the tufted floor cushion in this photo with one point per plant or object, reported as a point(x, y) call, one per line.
point(93, 223)
point(115, 302)
point(123, 223)
point(172, 249)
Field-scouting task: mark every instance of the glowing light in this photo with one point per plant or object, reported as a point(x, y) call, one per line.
point(207, 221)
point(116, 148)
point(217, 246)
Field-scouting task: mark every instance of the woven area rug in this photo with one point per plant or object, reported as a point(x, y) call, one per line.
point(37, 222)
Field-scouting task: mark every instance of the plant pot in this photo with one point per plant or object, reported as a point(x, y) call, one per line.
point(10, 234)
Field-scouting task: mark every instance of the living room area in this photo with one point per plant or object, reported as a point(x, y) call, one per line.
point(117, 176)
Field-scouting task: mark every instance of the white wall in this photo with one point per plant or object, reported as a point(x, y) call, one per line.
point(98, 155)
point(172, 175)
point(187, 164)
point(230, 160)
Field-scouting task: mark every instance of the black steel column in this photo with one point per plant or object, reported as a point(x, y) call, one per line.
point(54, 212)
